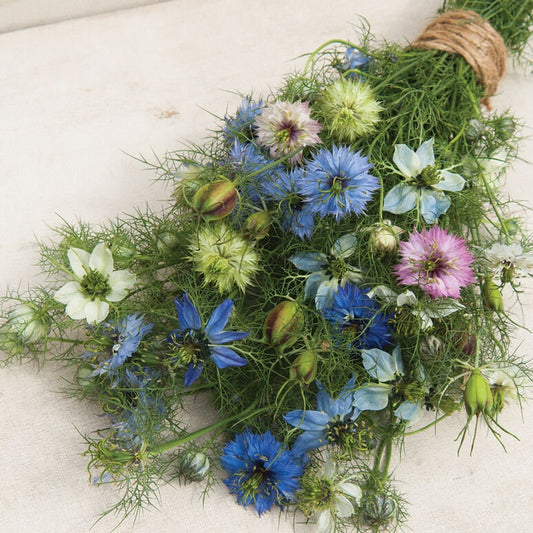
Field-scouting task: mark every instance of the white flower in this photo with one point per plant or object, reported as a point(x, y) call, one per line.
point(339, 504)
point(95, 284)
point(509, 260)
point(435, 309)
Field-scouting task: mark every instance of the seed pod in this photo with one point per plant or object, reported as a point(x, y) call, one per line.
point(193, 466)
point(257, 225)
point(282, 324)
point(216, 200)
point(478, 396)
point(492, 295)
point(304, 367)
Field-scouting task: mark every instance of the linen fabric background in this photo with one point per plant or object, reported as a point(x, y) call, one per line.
point(76, 98)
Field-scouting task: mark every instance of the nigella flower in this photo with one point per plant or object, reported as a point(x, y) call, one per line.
point(245, 158)
point(357, 318)
point(197, 344)
point(261, 472)
point(294, 211)
point(327, 494)
point(436, 261)
point(95, 284)
point(355, 60)
point(224, 257)
point(332, 423)
point(283, 127)
point(424, 184)
point(508, 260)
point(336, 182)
point(126, 336)
point(328, 271)
point(241, 126)
point(388, 370)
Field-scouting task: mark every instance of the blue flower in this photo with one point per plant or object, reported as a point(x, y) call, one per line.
point(355, 60)
point(126, 336)
point(358, 318)
point(388, 369)
point(261, 473)
point(337, 182)
point(196, 344)
point(245, 159)
point(328, 271)
point(242, 124)
point(295, 212)
point(424, 184)
point(331, 423)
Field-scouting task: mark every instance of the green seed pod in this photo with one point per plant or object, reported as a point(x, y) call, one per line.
point(379, 510)
point(29, 322)
point(216, 200)
point(304, 367)
point(478, 396)
point(282, 324)
point(492, 295)
point(257, 226)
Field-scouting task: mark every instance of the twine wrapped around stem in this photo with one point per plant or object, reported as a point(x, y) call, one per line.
point(464, 32)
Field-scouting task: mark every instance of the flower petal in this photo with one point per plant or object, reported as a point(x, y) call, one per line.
point(372, 397)
point(188, 316)
point(425, 154)
point(313, 282)
point(325, 522)
point(68, 292)
point(433, 204)
point(219, 318)
point(325, 294)
point(224, 357)
point(309, 261)
point(96, 311)
point(408, 410)
point(407, 298)
point(450, 182)
point(101, 259)
point(193, 373)
point(379, 364)
point(76, 307)
point(307, 420)
point(343, 505)
point(345, 246)
point(121, 282)
point(351, 489)
point(407, 161)
point(400, 199)
point(227, 336)
point(79, 261)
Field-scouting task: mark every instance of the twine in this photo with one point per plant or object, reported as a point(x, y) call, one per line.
point(466, 33)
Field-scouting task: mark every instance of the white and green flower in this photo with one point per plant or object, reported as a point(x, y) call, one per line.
point(95, 284)
point(424, 183)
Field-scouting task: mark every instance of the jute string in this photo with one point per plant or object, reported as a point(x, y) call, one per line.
point(466, 33)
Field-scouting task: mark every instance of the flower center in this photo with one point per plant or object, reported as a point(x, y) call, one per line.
point(95, 284)
point(194, 347)
point(341, 432)
point(337, 184)
point(258, 478)
point(337, 268)
point(413, 392)
point(317, 494)
point(429, 176)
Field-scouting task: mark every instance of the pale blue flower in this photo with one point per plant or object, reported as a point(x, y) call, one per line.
point(424, 183)
point(328, 271)
point(387, 369)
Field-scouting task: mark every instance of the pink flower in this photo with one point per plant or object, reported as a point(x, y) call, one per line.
point(284, 127)
point(439, 263)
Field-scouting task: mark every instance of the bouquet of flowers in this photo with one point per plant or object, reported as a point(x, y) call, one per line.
point(336, 260)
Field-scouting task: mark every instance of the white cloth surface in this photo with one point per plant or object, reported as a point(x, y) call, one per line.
point(76, 98)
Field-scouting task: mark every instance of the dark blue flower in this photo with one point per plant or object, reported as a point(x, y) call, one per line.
point(126, 336)
point(331, 423)
point(261, 473)
point(296, 215)
point(241, 126)
point(336, 182)
point(197, 344)
point(358, 318)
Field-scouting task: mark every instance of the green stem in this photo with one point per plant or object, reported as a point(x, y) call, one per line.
point(59, 339)
point(325, 45)
point(169, 444)
point(495, 208)
point(435, 422)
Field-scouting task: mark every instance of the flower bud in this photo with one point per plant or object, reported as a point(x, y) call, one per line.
point(478, 396)
point(474, 129)
point(282, 324)
point(431, 348)
point(166, 241)
point(304, 367)
point(465, 342)
point(510, 226)
point(193, 466)
point(10, 341)
point(384, 237)
point(379, 510)
point(29, 322)
point(216, 200)
point(257, 225)
point(492, 295)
